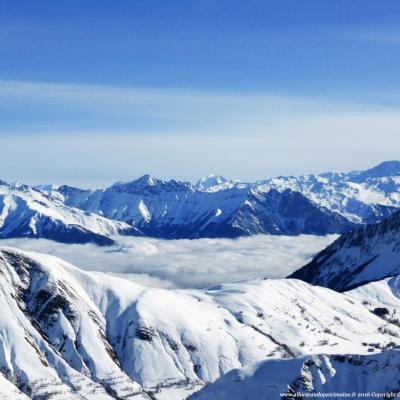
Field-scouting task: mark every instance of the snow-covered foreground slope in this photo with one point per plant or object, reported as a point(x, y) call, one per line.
point(8, 391)
point(52, 339)
point(66, 332)
point(26, 212)
point(333, 376)
point(366, 254)
point(349, 375)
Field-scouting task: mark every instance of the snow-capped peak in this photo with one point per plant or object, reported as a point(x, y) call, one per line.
point(147, 180)
point(214, 183)
point(146, 183)
point(144, 180)
point(210, 181)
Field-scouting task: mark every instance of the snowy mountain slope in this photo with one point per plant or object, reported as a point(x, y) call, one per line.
point(367, 254)
point(361, 196)
point(214, 183)
point(53, 342)
point(324, 374)
point(178, 210)
point(26, 212)
point(214, 207)
point(382, 170)
point(383, 294)
point(61, 326)
point(9, 391)
point(328, 374)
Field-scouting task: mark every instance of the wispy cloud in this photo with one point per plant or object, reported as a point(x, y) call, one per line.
point(40, 107)
point(91, 135)
point(187, 263)
point(31, 107)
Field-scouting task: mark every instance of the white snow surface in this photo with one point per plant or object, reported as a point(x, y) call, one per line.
point(89, 334)
point(8, 391)
point(325, 376)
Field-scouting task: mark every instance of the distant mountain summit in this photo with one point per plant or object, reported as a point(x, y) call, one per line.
point(216, 182)
point(382, 170)
point(217, 207)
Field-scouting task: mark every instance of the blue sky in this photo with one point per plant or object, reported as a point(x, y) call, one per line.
point(97, 91)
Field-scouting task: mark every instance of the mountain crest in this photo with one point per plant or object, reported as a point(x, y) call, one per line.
point(384, 169)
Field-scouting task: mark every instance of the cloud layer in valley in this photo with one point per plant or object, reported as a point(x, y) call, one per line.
point(187, 263)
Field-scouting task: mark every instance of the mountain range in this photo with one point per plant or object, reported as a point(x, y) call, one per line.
point(213, 207)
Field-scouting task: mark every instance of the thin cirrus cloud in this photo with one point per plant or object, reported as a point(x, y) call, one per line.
point(40, 107)
point(187, 263)
point(94, 135)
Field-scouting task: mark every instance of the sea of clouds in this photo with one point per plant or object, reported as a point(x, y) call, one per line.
point(187, 263)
